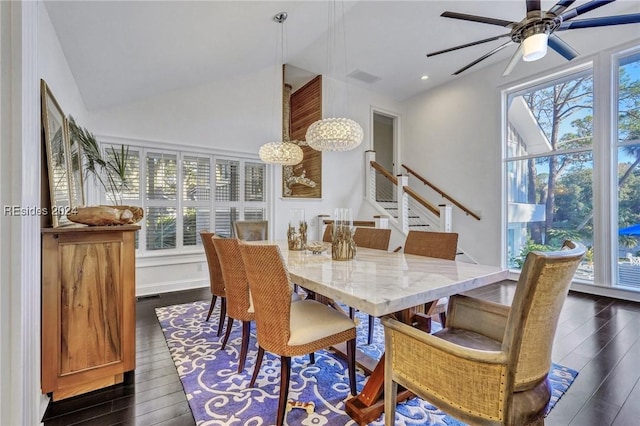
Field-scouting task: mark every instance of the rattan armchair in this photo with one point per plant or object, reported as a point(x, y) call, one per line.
point(441, 245)
point(216, 280)
point(290, 329)
point(490, 364)
point(251, 230)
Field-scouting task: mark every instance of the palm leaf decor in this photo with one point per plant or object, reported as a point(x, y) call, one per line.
point(108, 169)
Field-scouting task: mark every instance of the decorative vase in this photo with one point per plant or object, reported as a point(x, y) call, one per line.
point(343, 247)
point(297, 231)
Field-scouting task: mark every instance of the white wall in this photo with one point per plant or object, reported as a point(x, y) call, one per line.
point(462, 158)
point(235, 114)
point(54, 69)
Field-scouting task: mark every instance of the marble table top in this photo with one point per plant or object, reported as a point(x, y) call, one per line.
point(378, 282)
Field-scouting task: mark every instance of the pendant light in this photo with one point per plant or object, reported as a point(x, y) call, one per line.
point(335, 133)
point(280, 152)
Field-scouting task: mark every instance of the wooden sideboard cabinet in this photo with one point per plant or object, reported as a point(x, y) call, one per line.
point(88, 308)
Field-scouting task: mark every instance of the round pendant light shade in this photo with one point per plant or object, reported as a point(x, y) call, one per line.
point(285, 153)
point(334, 134)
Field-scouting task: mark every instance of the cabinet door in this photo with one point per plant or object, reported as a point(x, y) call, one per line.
point(91, 312)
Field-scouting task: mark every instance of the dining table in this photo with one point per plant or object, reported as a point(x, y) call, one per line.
point(381, 283)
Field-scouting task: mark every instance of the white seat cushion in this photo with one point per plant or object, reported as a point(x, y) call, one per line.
point(311, 321)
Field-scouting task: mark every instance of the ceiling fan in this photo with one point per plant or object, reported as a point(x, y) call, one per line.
point(537, 30)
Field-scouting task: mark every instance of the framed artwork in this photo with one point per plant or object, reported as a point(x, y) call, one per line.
point(64, 164)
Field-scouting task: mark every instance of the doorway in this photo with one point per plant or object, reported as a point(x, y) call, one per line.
point(385, 145)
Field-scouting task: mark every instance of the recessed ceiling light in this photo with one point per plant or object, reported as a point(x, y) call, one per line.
point(424, 77)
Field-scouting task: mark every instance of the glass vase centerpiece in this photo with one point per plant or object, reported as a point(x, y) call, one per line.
point(343, 247)
point(297, 230)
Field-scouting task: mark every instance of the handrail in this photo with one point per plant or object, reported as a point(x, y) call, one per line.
point(442, 193)
point(408, 190)
point(384, 172)
point(424, 203)
point(356, 223)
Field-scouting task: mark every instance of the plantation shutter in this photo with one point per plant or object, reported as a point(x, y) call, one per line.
point(161, 193)
point(196, 196)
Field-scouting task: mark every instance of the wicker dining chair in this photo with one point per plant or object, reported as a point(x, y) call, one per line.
point(373, 238)
point(238, 297)
point(251, 230)
point(216, 281)
point(441, 245)
point(490, 364)
point(291, 329)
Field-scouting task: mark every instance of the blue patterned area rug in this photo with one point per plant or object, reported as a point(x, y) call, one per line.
point(218, 395)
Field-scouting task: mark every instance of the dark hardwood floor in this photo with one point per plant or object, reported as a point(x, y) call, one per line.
point(598, 336)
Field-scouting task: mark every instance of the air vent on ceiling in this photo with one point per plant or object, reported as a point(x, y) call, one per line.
point(364, 76)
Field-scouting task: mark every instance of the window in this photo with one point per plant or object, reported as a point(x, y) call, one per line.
point(196, 197)
point(628, 170)
point(177, 197)
point(557, 162)
point(233, 199)
point(161, 196)
point(550, 166)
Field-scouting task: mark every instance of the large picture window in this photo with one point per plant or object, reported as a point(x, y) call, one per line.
point(558, 161)
point(550, 166)
point(628, 170)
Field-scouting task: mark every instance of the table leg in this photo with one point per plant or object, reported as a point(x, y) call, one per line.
point(368, 405)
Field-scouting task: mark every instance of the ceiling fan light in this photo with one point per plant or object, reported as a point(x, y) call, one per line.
point(285, 153)
point(534, 47)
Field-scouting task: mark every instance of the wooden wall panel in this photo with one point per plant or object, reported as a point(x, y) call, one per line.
point(304, 180)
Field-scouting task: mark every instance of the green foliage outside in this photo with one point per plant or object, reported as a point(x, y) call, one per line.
point(565, 187)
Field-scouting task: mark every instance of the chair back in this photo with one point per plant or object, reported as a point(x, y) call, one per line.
point(251, 230)
point(235, 278)
point(216, 280)
point(442, 245)
point(375, 238)
point(269, 282)
point(533, 317)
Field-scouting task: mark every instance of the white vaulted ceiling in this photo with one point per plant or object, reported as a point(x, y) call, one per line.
point(122, 51)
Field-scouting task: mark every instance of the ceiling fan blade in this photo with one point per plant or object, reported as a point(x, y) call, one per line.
point(483, 57)
point(533, 5)
point(481, 19)
point(468, 45)
point(517, 55)
point(584, 8)
point(560, 46)
point(633, 18)
point(561, 6)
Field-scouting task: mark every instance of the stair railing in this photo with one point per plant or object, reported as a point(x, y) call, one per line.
point(402, 193)
point(442, 193)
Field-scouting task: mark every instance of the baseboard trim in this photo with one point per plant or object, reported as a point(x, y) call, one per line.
point(169, 286)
